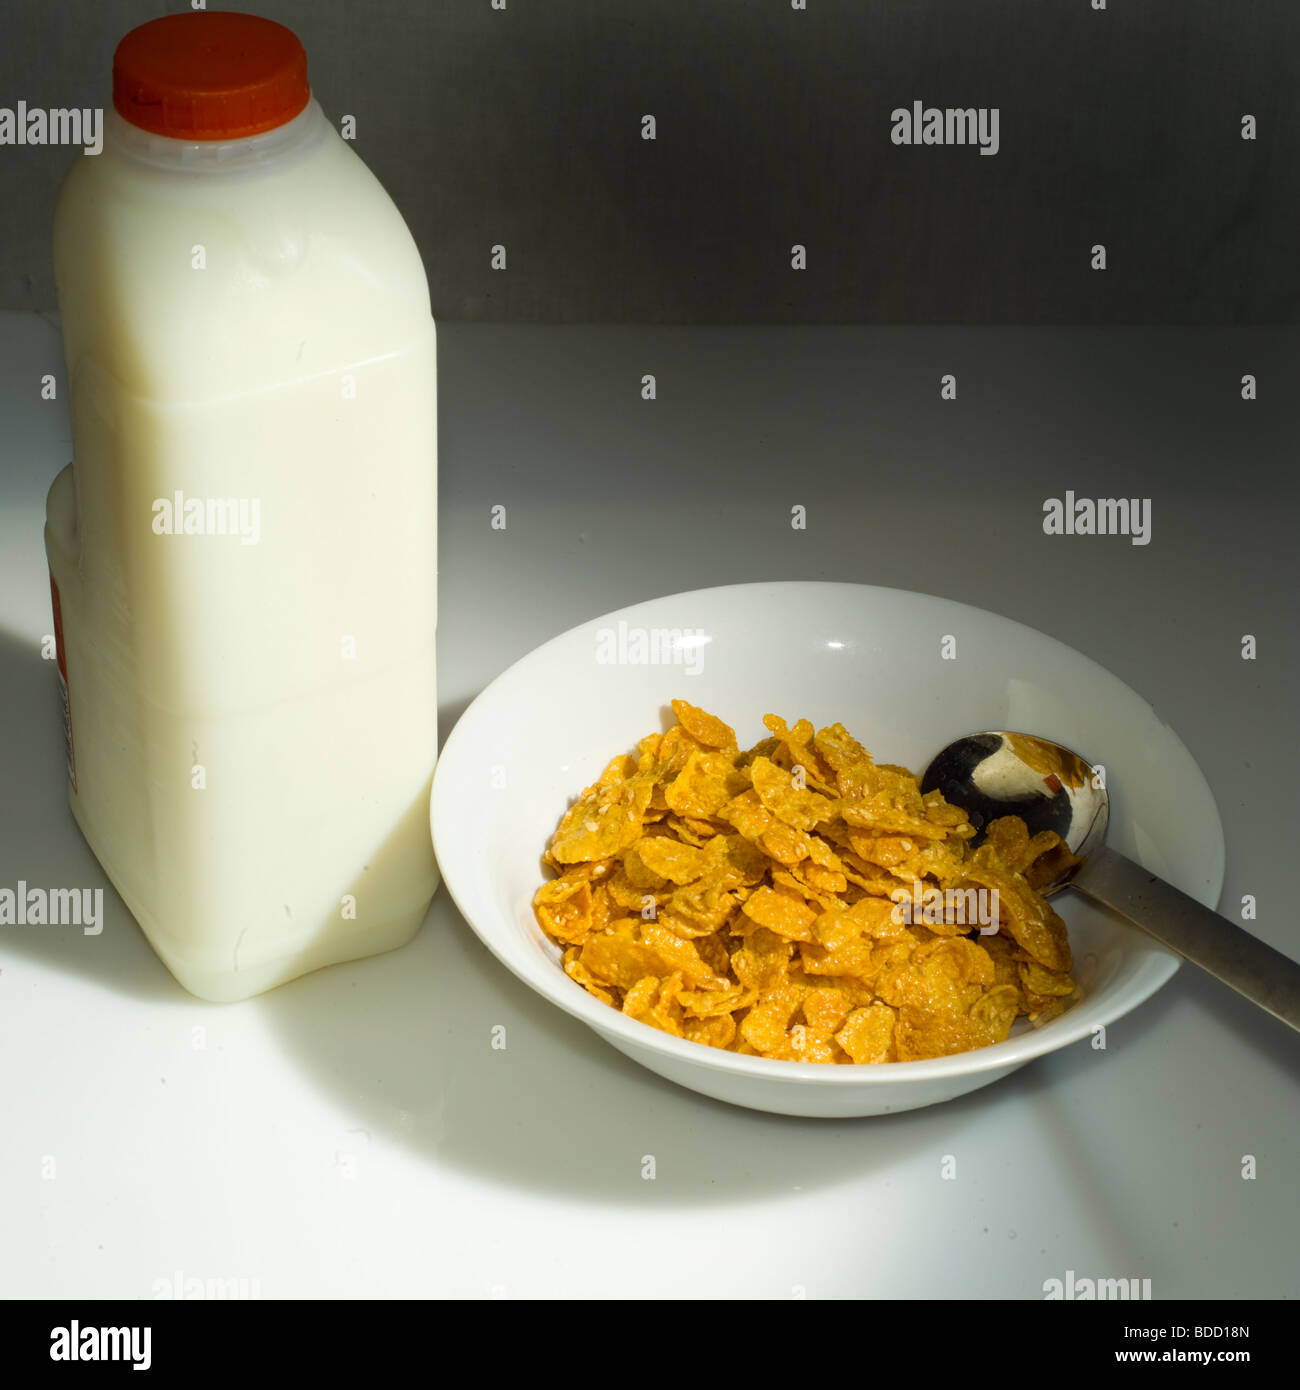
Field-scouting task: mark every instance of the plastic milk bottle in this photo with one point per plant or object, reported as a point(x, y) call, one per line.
point(243, 551)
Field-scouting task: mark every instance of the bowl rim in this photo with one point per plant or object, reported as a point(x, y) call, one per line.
point(546, 978)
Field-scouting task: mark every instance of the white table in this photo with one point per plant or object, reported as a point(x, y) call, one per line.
point(354, 1133)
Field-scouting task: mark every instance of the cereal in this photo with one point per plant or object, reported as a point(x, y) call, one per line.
point(764, 901)
point(704, 785)
point(780, 911)
point(868, 1034)
point(704, 728)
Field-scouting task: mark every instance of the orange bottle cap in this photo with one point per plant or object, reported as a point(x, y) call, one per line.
point(210, 75)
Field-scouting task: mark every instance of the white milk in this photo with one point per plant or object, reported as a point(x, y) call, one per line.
point(253, 720)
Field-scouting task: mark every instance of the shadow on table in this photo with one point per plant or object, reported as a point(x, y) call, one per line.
point(403, 1042)
point(41, 845)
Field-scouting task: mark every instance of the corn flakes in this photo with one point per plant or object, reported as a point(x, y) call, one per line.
point(763, 901)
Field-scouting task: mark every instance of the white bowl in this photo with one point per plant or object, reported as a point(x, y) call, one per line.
point(870, 658)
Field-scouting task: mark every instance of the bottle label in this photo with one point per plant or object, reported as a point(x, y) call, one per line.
point(61, 662)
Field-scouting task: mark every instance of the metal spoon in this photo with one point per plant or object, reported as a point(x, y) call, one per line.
point(1051, 788)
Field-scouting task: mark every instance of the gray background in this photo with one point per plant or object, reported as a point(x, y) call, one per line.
point(522, 127)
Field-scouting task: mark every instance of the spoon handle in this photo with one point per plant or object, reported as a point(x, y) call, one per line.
point(1264, 976)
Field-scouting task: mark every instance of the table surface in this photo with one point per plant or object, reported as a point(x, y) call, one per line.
point(354, 1133)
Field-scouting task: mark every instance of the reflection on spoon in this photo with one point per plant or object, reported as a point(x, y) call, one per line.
point(1051, 788)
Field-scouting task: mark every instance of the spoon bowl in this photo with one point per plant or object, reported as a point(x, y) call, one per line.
point(1050, 787)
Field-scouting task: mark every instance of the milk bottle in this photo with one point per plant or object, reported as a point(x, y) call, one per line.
point(242, 551)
